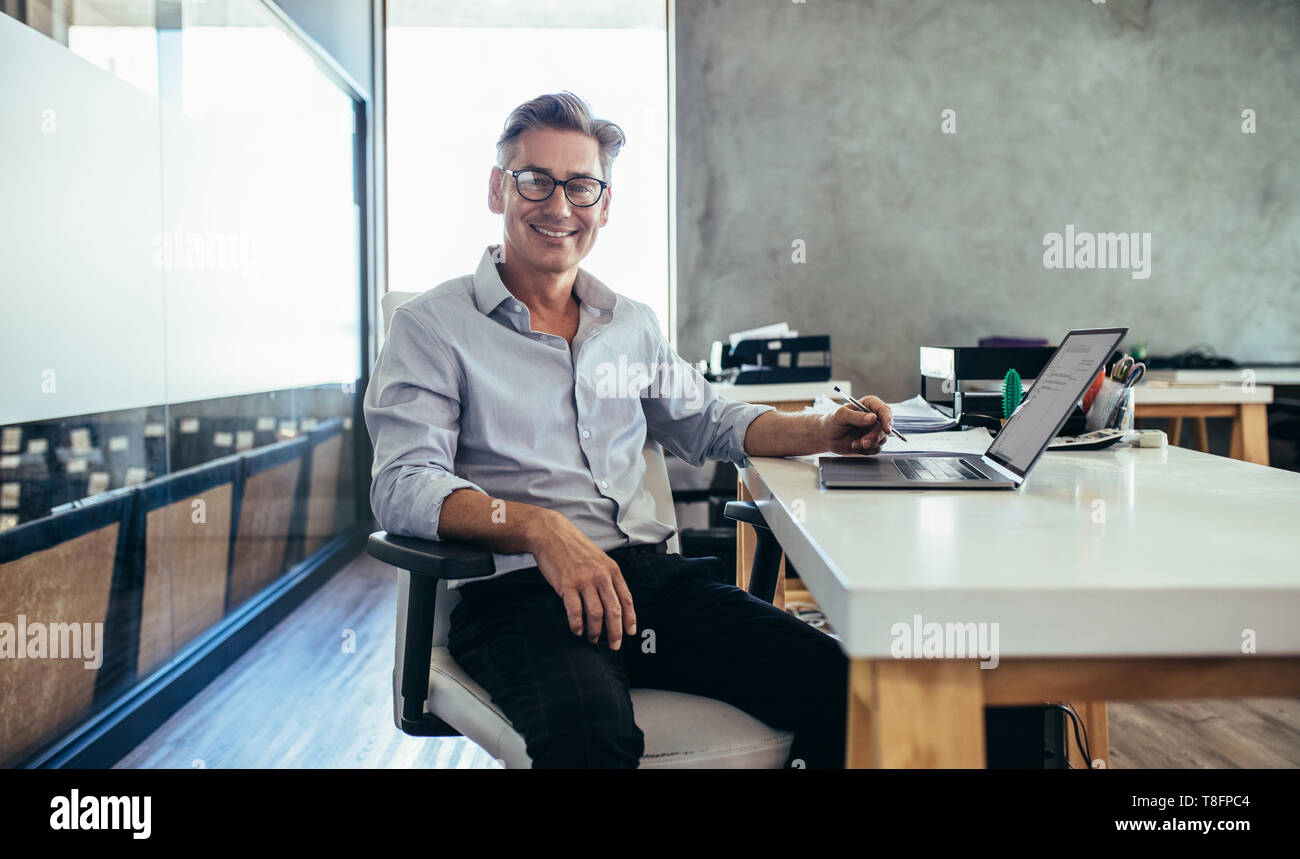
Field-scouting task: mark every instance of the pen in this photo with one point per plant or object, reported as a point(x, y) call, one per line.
point(858, 403)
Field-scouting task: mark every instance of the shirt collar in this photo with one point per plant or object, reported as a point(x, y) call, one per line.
point(490, 291)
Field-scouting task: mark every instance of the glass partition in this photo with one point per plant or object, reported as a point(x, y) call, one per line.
point(181, 256)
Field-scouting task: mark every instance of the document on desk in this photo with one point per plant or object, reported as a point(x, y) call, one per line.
point(914, 415)
point(956, 441)
point(974, 441)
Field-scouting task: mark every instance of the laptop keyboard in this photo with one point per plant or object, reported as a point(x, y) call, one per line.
point(938, 468)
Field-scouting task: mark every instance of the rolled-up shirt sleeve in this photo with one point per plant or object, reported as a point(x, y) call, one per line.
point(685, 414)
point(412, 411)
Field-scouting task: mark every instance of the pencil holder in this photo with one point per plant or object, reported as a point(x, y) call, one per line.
point(1112, 409)
point(1125, 417)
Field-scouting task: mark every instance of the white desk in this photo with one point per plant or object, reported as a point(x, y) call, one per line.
point(1113, 574)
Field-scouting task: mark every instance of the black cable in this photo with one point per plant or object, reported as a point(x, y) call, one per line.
point(1063, 709)
point(1079, 724)
point(1084, 747)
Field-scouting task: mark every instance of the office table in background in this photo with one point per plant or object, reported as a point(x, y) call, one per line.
point(1264, 374)
point(1247, 409)
point(788, 397)
point(1112, 575)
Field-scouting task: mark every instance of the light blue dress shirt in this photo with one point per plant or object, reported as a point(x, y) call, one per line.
point(466, 395)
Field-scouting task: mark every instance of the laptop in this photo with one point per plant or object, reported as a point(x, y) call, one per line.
point(1007, 461)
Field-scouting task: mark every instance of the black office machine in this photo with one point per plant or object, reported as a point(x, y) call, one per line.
point(966, 380)
point(777, 360)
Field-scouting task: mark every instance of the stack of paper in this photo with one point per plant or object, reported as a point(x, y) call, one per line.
point(776, 330)
point(917, 415)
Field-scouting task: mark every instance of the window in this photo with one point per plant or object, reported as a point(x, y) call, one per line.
point(456, 70)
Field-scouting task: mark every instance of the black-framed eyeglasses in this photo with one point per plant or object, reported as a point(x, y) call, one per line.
point(534, 185)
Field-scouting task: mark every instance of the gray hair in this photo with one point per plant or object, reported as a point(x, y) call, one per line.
point(566, 112)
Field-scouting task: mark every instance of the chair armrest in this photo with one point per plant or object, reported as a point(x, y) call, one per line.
point(766, 568)
point(745, 511)
point(427, 561)
point(434, 559)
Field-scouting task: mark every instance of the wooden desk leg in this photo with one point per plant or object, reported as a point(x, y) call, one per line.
point(1202, 435)
point(1093, 715)
point(916, 713)
point(1250, 434)
point(1175, 430)
point(1096, 719)
point(744, 541)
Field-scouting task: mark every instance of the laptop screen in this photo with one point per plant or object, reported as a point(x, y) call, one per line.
point(1052, 396)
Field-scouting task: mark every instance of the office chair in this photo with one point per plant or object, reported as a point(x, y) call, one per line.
point(433, 696)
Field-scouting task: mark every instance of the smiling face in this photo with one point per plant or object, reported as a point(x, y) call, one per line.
point(550, 235)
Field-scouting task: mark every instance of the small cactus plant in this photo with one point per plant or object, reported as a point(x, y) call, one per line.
point(1012, 391)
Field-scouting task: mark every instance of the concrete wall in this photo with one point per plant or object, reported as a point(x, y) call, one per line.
point(821, 121)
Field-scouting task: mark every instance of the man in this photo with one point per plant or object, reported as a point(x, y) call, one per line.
point(490, 425)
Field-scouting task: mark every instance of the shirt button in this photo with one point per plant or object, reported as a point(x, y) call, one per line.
point(517, 307)
point(604, 484)
point(586, 433)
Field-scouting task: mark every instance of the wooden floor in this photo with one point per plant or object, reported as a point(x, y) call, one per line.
point(1245, 733)
point(297, 699)
point(300, 699)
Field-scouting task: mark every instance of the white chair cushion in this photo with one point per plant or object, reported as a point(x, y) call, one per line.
point(681, 730)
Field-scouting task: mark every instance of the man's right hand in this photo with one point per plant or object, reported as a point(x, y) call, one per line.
point(588, 580)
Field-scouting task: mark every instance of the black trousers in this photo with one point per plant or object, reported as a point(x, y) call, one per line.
point(569, 698)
